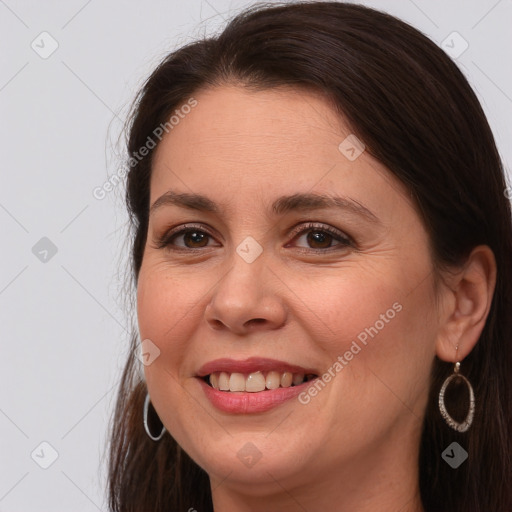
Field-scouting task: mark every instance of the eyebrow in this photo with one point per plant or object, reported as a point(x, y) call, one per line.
point(296, 202)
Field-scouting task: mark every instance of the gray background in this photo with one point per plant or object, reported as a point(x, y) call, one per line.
point(64, 322)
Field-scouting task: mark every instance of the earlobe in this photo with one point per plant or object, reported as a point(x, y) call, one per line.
point(466, 301)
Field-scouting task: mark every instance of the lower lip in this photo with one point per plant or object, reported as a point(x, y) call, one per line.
point(243, 402)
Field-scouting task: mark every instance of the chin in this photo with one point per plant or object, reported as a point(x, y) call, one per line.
point(251, 458)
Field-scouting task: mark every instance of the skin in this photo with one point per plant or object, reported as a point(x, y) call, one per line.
point(355, 445)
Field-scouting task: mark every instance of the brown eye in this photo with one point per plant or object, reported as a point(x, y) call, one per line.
point(193, 238)
point(322, 238)
point(183, 239)
point(319, 239)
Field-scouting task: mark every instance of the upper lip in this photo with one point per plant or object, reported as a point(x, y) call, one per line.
point(253, 364)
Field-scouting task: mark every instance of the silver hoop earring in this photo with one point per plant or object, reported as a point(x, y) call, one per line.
point(464, 426)
point(146, 427)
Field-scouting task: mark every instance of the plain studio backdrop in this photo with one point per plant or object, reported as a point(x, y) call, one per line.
point(68, 72)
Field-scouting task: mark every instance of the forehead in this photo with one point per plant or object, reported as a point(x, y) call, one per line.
point(231, 120)
point(242, 140)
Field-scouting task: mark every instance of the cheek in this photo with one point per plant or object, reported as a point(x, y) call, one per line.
point(386, 358)
point(158, 314)
point(166, 316)
point(164, 302)
point(153, 305)
point(169, 311)
point(342, 305)
point(379, 326)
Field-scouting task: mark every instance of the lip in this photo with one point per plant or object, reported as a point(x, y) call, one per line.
point(244, 402)
point(253, 364)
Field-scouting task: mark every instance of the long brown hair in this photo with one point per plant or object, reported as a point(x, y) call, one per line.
point(416, 113)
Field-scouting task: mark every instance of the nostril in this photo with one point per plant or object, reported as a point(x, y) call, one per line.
point(256, 321)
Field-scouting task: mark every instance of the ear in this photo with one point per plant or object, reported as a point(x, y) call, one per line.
point(464, 305)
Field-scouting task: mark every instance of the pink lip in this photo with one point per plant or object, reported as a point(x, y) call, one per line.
point(243, 402)
point(253, 364)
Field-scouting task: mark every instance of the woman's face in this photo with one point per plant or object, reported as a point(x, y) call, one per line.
point(272, 280)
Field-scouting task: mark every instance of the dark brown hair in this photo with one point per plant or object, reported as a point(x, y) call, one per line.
point(416, 113)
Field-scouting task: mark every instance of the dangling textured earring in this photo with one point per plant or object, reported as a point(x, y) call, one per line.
point(464, 426)
point(146, 427)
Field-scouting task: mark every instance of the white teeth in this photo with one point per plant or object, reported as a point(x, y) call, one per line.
point(273, 380)
point(223, 381)
point(256, 381)
point(237, 382)
point(286, 380)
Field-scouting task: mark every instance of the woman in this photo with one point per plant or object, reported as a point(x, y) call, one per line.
point(322, 250)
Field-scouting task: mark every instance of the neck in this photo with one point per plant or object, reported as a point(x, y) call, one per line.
point(308, 500)
point(385, 478)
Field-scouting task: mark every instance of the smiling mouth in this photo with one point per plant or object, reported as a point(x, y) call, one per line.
point(255, 382)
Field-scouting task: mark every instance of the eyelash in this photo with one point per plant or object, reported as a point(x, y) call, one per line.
point(165, 241)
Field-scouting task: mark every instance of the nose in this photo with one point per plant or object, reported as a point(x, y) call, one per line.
point(247, 298)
